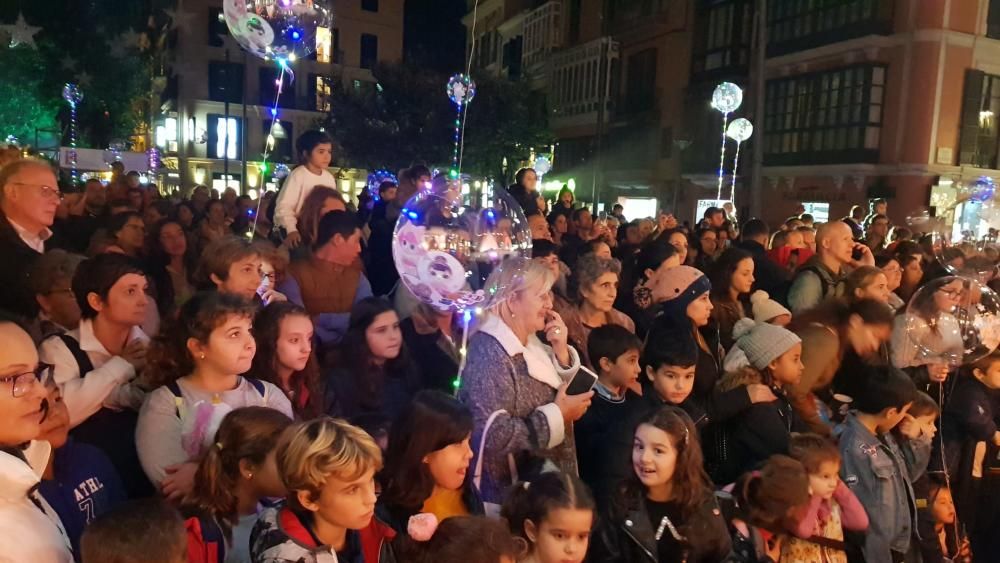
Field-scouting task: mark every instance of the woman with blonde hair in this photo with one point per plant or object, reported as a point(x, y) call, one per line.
point(515, 384)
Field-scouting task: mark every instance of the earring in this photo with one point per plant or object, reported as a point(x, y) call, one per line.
point(249, 476)
point(202, 357)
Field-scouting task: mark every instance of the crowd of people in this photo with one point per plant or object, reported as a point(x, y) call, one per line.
point(214, 379)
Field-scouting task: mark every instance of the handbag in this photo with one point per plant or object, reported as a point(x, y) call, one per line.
point(491, 509)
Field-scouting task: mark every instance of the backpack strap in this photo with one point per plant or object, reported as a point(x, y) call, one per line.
point(259, 386)
point(175, 390)
point(83, 363)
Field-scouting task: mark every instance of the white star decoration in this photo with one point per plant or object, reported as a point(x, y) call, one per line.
point(83, 80)
point(68, 63)
point(179, 18)
point(21, 33)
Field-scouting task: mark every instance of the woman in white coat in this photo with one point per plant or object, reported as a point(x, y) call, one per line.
point(29, 529)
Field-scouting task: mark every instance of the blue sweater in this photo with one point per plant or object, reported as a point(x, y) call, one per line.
point(85, 486)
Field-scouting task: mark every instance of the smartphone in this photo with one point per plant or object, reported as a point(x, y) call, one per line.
point(857, 253)
point(583, 381)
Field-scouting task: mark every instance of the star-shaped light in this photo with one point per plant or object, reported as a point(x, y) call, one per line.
point(179, 18)
point(21, 33)
point(118, 49)
point(84, 79)
point(68, 63)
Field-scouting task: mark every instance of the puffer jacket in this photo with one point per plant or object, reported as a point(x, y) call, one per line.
point(280, 536)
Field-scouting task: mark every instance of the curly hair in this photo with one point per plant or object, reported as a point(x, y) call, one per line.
point(309, 214)
point(169, 358)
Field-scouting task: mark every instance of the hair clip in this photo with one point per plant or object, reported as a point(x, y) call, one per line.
point(686, 435)
point(421, 527)
point(219, 445)
point(526, 485)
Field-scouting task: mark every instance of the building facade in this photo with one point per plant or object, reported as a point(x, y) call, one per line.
point(863, 99)
point(614, 73)
point(216, 107)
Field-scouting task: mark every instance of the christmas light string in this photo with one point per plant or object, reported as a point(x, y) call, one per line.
point(270, 142)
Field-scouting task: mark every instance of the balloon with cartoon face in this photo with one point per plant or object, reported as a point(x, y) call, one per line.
point(408, 249)
point(442, 272)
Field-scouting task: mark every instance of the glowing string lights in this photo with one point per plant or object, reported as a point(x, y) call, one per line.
point(72, 94)
point(726, 99)
point(269, 144)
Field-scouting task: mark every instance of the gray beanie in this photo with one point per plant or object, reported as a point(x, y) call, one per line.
point(763, 342)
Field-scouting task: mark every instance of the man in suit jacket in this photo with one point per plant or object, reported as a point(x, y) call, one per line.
point(29, 197)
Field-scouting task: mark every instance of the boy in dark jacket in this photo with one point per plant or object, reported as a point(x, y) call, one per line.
point(329, 467)
point(668, 379)
point(969, 427)
point(614, 352)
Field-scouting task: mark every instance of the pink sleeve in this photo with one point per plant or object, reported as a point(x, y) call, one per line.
point(807, 525)
point(852, 514)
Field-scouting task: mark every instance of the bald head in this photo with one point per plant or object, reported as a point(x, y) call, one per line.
point(835, 241)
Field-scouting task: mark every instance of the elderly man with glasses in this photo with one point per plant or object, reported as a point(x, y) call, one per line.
point(29, 197)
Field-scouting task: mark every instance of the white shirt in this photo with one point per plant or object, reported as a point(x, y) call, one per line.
point(293, 194)
point(30, 530)
point(34, 240)
point(107, 386)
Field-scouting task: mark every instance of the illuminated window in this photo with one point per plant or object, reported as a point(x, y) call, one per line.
point(323, 93)
point(224, 137)
point(324, 45)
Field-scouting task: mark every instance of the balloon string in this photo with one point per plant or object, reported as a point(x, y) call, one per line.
point(463, 351)
point(736, 165)
point(268, 143)
point(722, 158)
point(464, 108)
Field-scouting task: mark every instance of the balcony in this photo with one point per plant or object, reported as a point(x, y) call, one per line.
point(541, 33)
point(578, 78)
point(794, 26)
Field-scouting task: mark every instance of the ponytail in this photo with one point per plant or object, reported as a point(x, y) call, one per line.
point(535, 500)
point(249, 433)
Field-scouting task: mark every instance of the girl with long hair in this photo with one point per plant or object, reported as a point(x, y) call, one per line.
point(283, 332)
point(732, 279)
point(427, 462)
point(171, 265)
point(197, 362)
point(666, 510)
point(374, 376)
point(237, 472)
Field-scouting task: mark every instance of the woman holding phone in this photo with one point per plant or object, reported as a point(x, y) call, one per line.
point(516, 386)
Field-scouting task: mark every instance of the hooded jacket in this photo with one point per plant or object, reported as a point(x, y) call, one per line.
point(30, 530)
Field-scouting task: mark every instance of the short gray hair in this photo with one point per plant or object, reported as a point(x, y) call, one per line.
point(590, 267)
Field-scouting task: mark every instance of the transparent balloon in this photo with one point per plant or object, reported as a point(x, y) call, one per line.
point(964, 254)
point(952, 321)
point(461, 89)
point(740, 130)
point(279, 29)
point(542, 165)
point(72, 94)
point(727, 97)
point(445, 248)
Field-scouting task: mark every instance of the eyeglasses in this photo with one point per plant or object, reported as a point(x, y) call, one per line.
point(46, 191)
point(23, 382)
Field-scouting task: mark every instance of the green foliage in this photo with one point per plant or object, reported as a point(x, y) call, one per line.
point(74, 44)
point(407, 117)
point(25, 102)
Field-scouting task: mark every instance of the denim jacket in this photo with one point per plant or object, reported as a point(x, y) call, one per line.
point(876, 470)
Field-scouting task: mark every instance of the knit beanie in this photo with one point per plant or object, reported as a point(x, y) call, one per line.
point(683, 285)
point(763, 342)
point(765, 308)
